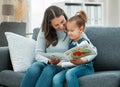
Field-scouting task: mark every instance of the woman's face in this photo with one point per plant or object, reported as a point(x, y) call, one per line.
point(59, 23)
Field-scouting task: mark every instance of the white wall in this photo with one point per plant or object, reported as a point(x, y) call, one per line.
point(0, 11)
point(118, 9)
point(36, 13)
point(111, 12)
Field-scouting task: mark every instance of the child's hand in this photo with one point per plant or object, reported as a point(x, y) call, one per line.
point(54, 61)
point(76, 61)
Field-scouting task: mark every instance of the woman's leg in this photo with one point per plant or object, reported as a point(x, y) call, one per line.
point(73, 74)
point(59, 79)
point(32, 74)
point(46, 77)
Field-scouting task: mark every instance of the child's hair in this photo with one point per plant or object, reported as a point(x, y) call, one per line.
point(80, 18)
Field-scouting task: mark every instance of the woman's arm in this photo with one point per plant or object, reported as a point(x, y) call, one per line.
point(40, 47)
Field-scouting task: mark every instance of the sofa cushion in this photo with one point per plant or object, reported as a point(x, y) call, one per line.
point(22, 51)
point(5, 62)
point(10, 78)
point(107, 41)
point(16, 27)
point(101, 79)
point(35, 33)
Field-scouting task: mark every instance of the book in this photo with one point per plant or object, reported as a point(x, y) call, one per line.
point(75, 52)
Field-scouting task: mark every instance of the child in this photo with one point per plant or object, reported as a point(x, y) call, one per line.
point(76, 67)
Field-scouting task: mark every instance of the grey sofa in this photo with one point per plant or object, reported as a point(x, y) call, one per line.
point(106, 64)
point(16, 27)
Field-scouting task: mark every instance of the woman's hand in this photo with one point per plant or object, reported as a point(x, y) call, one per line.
point(78, 61)
point(54, 61)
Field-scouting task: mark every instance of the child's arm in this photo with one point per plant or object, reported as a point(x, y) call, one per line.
point(78, 61)
point(65, 64)
point(73, 62)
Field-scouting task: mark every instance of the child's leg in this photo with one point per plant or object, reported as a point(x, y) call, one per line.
point(59, 79)
point(73, 74)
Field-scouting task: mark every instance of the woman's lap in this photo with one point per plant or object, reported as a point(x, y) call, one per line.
point(32, 74)
point(47, 75)
point(40, 73)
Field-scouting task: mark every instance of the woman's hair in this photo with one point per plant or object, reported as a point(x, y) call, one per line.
point(80, 18)
point(50, 33)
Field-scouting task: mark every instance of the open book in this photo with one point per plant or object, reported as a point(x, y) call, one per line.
point(75, 52)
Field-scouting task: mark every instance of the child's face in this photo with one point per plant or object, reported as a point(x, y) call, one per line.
point(73, 31)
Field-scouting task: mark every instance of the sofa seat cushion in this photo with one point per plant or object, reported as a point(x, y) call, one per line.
point(101, 79)
point(10, 78)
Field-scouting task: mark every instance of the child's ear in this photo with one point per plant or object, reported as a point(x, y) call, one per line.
point(81, 29)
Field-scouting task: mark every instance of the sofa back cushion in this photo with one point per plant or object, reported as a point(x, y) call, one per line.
point(35, 33)
point(107, 41)
point(5, 62)
point(15, 27)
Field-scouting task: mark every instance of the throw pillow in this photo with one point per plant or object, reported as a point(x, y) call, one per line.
point(22, 51)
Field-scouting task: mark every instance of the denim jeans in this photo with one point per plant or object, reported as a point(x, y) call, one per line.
point(40, 75)
point(71, 75)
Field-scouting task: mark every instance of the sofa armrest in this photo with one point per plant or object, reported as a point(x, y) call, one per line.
point(5, 62)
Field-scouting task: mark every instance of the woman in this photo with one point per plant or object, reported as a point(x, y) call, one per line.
point(51, 38)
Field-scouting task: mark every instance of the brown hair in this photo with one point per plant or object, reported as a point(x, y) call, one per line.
point(80, 18)
point(49, 32)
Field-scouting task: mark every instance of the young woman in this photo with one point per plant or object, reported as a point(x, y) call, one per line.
point(51, 38)
point(76, 67)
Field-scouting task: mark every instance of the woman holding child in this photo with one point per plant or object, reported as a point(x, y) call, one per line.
point(52, 38)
